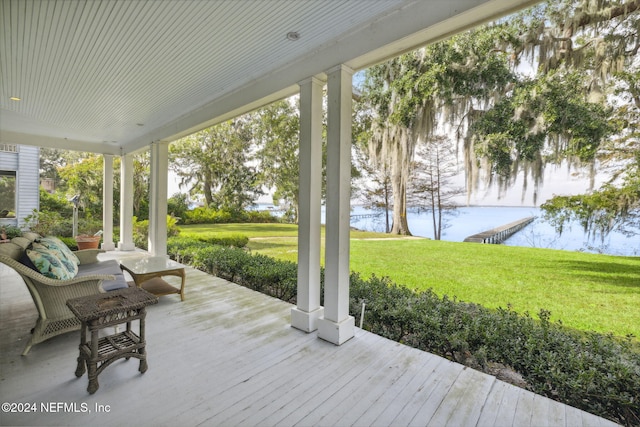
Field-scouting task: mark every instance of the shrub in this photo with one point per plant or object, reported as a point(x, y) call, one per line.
point(48, 223)
point(261, 217)
point(258, 272)
point(229, 263)
point(205, 257)
point(269, 276)
point(11, 231)
point(205, 215)
point(60, 223)
point(87, 226)
point(183, 249)
point(55, 202)
point(141, 231)
point(70, 242)
point(178, 205)
point(234, 240)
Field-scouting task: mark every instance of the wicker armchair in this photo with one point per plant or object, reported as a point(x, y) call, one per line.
point(49, 295)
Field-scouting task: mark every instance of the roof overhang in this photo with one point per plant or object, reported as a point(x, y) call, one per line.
point(112, 77)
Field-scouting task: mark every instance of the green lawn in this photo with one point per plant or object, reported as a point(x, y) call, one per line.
point(263, 231)
point(584, 291)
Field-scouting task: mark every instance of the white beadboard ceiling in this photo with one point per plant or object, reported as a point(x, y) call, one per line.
point(113, 76)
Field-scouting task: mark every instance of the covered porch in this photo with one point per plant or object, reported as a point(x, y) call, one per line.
point(229, 356)
point(116, 78)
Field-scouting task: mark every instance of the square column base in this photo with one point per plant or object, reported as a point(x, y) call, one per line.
point(108, 246)
point(336, 333)
point(306, 321)
point(122, 246)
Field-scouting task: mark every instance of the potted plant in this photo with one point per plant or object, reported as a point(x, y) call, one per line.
point(86, 241)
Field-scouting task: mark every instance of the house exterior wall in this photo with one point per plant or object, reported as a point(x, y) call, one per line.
point(24, 160)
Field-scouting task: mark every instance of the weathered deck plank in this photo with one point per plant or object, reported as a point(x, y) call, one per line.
point(412, 396)
point(295, 388)
point(297, 391)
point(445, 377)
point(492, 412)
point(369, 410)
point(463, 403)
point(372, 379)
point(227, 356)
point(337, 383)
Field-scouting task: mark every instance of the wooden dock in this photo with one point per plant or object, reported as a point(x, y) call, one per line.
point(227, 356)
point(364, 216)
point(500, 234)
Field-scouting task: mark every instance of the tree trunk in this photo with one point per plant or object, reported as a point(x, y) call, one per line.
point(399, 186)
point(208, 194)
point(438, 192)
point(439, 219)
point(387, 203)
point(436, 231)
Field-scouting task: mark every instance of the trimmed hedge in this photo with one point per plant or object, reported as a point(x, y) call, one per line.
point(258, 272)
point(595, 372)
point(205, 215)
point(234, 240)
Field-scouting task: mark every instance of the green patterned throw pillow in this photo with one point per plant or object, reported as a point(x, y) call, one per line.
point(71, 266)
point(58, 245)
point(48, 264)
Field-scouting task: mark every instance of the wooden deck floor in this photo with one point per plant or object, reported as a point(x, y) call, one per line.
point(227, 356)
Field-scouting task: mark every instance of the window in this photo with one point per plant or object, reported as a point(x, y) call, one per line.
point(10, 148)
point(7, 194)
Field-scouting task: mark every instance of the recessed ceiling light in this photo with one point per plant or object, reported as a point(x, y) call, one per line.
point(293, 36)
point(15, 98)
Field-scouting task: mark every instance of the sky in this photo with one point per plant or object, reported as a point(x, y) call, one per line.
point(559, 180)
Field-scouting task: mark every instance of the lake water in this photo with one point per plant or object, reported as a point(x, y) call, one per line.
point(467, 221)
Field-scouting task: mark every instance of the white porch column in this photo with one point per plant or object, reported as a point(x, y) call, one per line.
point(126, 204)
point(107, 203)
point(337, 326)
point(158, 198)
point(305, 316)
